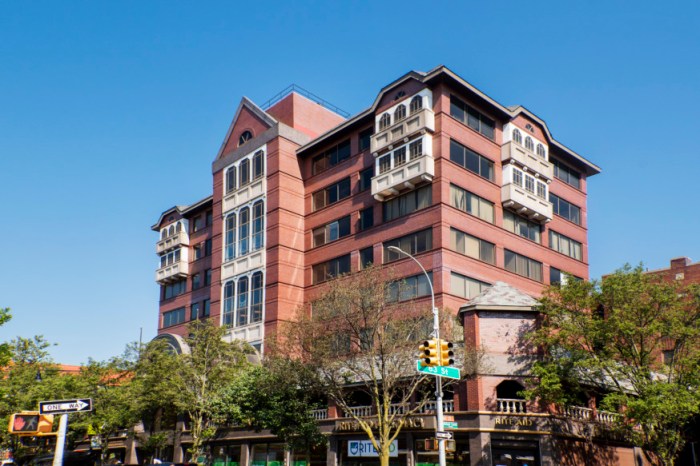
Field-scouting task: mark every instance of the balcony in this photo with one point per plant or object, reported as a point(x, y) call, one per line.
point(405, 176)
point(526, 158)
point(525, 203)
point(173, 272)
point(171, 242)
point(511, 406)
point(244, 194)
point(422, 120)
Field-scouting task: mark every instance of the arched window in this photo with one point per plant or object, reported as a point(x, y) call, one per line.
point(171, 230)
point(508, 397)
point(416, 104)
point(228, 304)
point(517, 136)
point(243, 231)
point(258, 220)
point(384, 121)
point(540, 150)
point(256, 299)
point(163, 233)
point(258, 165)
point(230, 179)
point(178, 227)
point(529, 144)
point(242, 307)
point(400, 113)
point(230, 237)
point(244, 173)
point(245, 137)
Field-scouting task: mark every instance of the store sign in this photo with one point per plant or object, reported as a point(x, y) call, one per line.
point(357, 448)
point(354, 426)
point(513, 422)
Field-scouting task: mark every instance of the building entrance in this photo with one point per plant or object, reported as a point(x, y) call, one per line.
point(515, 452)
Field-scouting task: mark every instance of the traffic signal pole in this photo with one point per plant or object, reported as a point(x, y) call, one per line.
point(60, 440)
point(442, 460)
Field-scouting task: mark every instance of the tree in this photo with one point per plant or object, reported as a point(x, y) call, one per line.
point(356, 339)
point(5, 351)
point(635, 339)
point(194, 380)
point(277, 396)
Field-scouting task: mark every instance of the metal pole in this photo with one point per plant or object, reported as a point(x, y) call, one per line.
point(60, 440)
point(442, 460)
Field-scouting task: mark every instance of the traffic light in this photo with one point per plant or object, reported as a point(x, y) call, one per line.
point(447, 356)
point(431, 444)
point(428, 353)
point(30, 423)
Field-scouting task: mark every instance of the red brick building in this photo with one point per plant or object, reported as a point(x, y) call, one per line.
point(479, 192)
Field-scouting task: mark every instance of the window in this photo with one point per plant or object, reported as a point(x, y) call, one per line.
point(517, 136)
point(198, 251)
point(416, 148)
point(471, 160)
point(331, 194)
point(384, 122)
point(414, 243)
point(565, 245)
point(195, 309)
point(466, 287)
point(198, 223)
point(517, 177)
point(541, 190)
point(366, 178)
point(384, 163)
point(566, 174)
point(565, 209)
point(364, 138)
point(416, 104)
point(174, 289)
point(472, 117)
point(400, 156)
point(529, 145)
point(196, 281)
point(366, 257)
point(244, 173)
point(173, 317)
point(540, 150)
point(256, 297)
point(409, 288)
point(366, 219)
point(243, 231)
point(557, 277)
point(245, 137)
point(258, 164)
point(242, 302)
point(207, 277)
point(407, 203)
point(170, 258)
point(230, 237)
point(530, 184)
point(400, 113)
point(207, 247)
point(471, 203)
point(521, 226)
point(472, 246)
point(332, 231)
point(230, 179)
point(229, 304)
point(331, 157)
point(206, 308)
point(258, 231)
point(522, 265)
point(330, 269)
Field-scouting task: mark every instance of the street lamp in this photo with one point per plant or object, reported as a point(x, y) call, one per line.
point(436, 334)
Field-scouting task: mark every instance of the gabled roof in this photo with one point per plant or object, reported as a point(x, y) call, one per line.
point(501, 296)
point(182, 210)
point(442, 72)
point(257, 111)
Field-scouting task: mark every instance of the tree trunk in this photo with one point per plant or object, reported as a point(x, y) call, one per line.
point(384, 456)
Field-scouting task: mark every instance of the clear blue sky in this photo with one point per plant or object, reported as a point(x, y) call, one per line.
point(111, 112)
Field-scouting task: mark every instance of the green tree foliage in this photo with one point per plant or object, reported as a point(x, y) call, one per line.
point(278, 396)
point(355, 333)
point(5, 351)
point(633, 338)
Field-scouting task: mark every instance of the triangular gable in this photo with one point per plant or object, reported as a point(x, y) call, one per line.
point(248, 117)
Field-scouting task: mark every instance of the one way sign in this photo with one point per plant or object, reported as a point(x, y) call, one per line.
point(65, 406)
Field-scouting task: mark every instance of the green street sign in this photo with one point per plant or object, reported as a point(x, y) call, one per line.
point(442, 371)
point(449, 425)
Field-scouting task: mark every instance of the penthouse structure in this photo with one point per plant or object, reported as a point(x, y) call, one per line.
point(480, 193)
